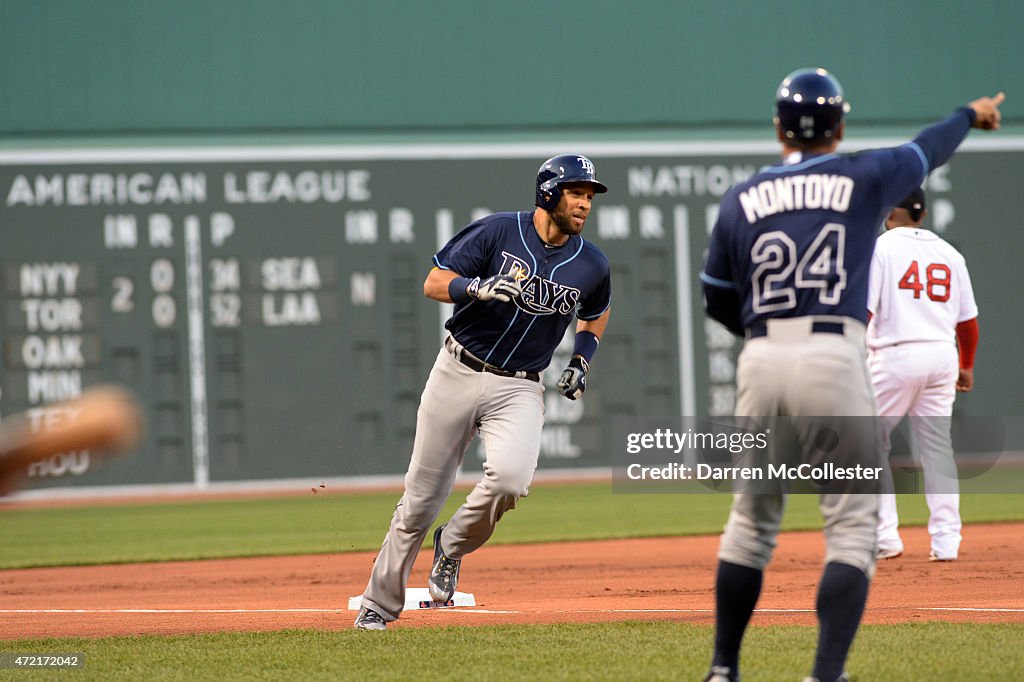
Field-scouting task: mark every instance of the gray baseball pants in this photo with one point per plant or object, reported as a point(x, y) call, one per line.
point(795, 372)
point(458, 402)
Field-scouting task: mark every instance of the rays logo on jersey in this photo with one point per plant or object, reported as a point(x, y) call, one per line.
point(540, 296)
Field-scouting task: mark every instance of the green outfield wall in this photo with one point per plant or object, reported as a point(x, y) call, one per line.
point(256, 66)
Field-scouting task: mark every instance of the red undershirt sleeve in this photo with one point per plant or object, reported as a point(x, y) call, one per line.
point(967, 341)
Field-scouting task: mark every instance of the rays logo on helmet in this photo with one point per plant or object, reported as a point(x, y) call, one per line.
point(562, 170)
point(540, 296)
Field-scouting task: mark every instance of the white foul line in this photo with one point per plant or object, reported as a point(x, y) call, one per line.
point(465, 610)
point(339, 610)
point(171, 610)
point(966, 608)
point(458, 610)
point(684, 611)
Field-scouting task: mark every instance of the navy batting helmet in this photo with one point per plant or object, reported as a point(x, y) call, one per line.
point(562, 170)
point(809, 106)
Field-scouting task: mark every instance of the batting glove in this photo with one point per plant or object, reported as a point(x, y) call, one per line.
point(573, 381)
point(498, 287)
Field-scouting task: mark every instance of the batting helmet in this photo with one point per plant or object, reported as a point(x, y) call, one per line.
point(809, 106)
point(562, 170)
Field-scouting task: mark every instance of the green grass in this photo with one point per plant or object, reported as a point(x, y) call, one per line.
point(350, 522)
point(613, 651)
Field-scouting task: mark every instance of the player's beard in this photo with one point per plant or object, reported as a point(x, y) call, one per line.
point(562, 218)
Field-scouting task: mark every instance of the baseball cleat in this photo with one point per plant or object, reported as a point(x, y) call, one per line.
point(932, 556)
point(444, 574)
point(889, 553)
point(720, 673)
point(368, 619)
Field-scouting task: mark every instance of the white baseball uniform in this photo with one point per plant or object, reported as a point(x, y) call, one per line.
point(919, 290)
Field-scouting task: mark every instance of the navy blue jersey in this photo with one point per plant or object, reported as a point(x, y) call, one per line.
point(796, 239)
point(558, 282)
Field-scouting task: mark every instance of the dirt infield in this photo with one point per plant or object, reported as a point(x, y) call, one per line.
point(645, 579)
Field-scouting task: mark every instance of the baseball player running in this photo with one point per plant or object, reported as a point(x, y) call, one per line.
point(517, 280)
point(921, 304)
point(788, 266)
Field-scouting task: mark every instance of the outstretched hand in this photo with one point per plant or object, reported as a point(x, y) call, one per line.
point(986, 111)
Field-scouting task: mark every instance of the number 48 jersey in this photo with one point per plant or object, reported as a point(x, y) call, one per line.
point(919, 289)
point(796, 239)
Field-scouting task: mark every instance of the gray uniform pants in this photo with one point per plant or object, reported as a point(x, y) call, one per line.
point(456, 403)
point(794, 372)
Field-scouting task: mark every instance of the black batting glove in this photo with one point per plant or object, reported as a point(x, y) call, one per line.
point(498, 287)
point(573, 381)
